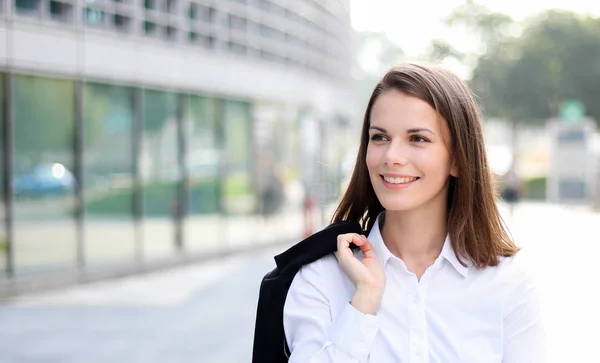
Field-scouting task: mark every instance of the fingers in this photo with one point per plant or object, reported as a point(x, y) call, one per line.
point(344, 240)
point(343, 244)
point(367, 249)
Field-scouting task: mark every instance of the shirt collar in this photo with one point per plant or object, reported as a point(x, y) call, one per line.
point(450, 256)
point(383, 253)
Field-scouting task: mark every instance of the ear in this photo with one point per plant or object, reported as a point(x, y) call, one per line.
point(454, 169)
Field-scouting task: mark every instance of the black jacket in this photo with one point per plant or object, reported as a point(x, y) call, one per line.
point(270, 345)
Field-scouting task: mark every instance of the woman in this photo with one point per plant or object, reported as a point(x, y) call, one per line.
point(438, 279)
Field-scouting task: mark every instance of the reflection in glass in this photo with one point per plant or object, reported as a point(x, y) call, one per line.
point(202, 227)
point(27, 6)
point(239, 199)
point(93, 16)
point(3, 237)
point(108, 173)
point(276, 180)
point(160, 172)
point(44, 185)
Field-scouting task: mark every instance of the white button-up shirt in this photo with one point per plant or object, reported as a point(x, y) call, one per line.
point(453, 314)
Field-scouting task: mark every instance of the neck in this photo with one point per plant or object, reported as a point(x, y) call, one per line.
point(416, 236)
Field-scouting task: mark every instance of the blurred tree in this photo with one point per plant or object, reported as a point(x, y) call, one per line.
point(44, 120)
point(376, 53)
point(526, 78)
point(440, 49)
point(490, 26)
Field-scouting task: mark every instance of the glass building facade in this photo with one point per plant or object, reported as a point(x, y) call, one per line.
point(113, 159)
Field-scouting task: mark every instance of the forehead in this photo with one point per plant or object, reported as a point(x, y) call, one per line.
point(394, 109)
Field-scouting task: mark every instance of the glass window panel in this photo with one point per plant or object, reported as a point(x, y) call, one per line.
point(27, 6)
point(237, 23)
point(122, 22)
point(170, 32)
point(206, 14)
point(171, 6)
point(280, 193)
point(44, 182)
point(203, 157)
point(108, 172)
point(149, 27)
point(150, 4)
point(239, 200)
point(3, 237)
point(193, 11)
point(60, 11)
point(160, 172)
point(93, 16)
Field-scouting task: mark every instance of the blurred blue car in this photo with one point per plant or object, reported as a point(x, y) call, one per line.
point(49, 179)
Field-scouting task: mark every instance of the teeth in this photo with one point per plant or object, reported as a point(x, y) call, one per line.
point(402, 180)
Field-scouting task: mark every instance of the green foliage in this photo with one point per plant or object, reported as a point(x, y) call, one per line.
point(535, 188)
point(45, 116)
point(159, 198)
point(440, 49)
point(159, 108)
point(527, 78)
point(107, 111)
point(114, 202)
point(237, 186)
point(492, 27)
point(3, 245)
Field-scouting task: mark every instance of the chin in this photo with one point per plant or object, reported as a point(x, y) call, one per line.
point(397, 205)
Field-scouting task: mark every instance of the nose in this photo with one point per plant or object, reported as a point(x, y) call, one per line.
point(396, 154)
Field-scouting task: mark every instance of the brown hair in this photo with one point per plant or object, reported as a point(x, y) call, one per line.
point(475, 226)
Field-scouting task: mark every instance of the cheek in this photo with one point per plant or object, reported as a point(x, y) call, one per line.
point(436, 163)
point(371, 159)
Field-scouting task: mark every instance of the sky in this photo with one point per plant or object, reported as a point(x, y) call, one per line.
point(413, 24)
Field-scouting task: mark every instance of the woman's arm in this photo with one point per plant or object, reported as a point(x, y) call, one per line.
point(312, 333)
point(524, 337)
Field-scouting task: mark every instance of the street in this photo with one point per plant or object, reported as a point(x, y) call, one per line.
point(205, 312)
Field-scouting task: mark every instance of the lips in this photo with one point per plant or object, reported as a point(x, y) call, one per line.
point(400, 179)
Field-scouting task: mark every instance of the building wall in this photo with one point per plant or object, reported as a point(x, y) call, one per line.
point(124, 145)
point(269, 52)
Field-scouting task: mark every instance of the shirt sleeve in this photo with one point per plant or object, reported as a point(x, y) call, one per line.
point(312, 333)
point(524, 335)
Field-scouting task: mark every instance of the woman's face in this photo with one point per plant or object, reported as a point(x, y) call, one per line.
point(407, 157)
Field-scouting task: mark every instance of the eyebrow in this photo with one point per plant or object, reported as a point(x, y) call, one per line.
point(409, 131)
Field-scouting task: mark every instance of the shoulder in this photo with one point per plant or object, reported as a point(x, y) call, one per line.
point(517, 279)
point(324, 276)
point(510, 269)
point(513, 275)
point(518, 268)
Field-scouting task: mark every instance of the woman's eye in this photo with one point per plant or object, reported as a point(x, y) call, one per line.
point(377, 137)
point(418, 138)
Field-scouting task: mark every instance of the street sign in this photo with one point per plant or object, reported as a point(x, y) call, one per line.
point(572, 111)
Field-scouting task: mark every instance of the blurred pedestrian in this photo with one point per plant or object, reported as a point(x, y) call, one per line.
point(272, 195)
point(308, 208)
point(438, 279)
point(511, 192)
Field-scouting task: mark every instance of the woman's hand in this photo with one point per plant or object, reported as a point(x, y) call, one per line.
point(367, 274)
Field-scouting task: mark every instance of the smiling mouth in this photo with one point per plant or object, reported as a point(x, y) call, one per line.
point(400, 180)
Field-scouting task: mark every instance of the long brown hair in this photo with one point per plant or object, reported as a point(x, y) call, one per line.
point(475, 226)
